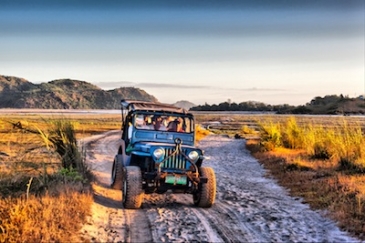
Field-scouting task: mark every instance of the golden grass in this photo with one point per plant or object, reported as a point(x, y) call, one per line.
point(39, 201)
point(200, 133)
point(323, 165)
point(50, 218)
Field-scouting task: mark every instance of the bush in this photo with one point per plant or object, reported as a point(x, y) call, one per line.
point(270, 136)
point(342, 143)
point(293, 135)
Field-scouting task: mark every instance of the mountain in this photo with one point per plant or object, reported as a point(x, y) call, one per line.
point(184, 104)
point(64, 94)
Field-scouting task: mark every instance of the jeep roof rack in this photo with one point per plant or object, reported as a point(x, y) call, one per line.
point(150, 106)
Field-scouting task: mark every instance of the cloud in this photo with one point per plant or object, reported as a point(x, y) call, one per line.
point(112, 85)
point(118, 84)
point(205, 87)
point(169, 86)
point(261, 89)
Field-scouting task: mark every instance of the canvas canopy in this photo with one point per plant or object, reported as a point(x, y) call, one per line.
point(136, 105)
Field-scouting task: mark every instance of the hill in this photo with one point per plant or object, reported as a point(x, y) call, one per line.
point(184, 104)
point(63, 94)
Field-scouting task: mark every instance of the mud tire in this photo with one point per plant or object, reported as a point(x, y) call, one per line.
point(205, 196)
point(132, 188)
point(117, 173)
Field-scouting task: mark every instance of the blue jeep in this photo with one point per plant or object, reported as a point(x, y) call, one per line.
point(157, 153)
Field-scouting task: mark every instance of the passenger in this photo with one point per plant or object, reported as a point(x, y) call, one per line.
point(144, 123)
point(158, 124)
point(147, 121)
point(181, 125)
point(175, 126)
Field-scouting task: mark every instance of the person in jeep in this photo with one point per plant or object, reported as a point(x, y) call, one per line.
point(158, 123)
point(175, 125)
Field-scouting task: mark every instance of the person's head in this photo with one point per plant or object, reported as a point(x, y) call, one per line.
point(147, 120)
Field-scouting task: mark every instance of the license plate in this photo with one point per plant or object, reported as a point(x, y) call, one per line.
point(176, 180)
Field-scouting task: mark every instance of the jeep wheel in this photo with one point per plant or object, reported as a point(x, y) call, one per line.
point(132, 188)
point(117, 173)
point(205, 196)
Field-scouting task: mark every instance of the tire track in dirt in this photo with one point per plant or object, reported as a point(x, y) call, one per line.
point(115, 224)
point(234, 230)
point(138, 226)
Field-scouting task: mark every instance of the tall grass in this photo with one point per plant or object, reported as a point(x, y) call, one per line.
point(322, 163)
point(50, 218)
point(61, 137)
point(44, 206)
point(343, 143)
point(270, 135)
point(200, 132)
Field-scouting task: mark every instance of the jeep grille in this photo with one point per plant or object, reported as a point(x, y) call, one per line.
point(176, 161)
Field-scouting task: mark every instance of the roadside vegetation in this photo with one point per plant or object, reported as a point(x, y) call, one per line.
point(45, 192)
point(320, 159)
point(322, 163)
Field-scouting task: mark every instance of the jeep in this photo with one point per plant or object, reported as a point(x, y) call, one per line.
point(157, 154)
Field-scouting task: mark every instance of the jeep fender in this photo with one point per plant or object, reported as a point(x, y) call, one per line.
point(126, 159)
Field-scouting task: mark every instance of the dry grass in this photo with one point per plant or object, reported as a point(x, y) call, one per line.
point(200, 133)
point(52, 217)
point(44, 191)
point(323, 165)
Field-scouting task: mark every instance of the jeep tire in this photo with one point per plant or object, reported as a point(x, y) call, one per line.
point(117, 173)
point(205, 196)
point(132, 188)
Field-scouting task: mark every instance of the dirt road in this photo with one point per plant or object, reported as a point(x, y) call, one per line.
point(248, 208)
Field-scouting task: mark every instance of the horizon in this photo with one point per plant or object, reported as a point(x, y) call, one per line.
point(274, 52)
point(185, 100)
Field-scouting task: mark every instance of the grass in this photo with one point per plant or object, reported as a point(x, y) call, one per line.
point(200, 132)
point(52, 217)
point(323, 165)
point(45, 193)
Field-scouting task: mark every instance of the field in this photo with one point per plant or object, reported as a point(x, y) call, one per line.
point(32, 172)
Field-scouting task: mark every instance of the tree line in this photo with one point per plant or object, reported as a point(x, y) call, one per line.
point(329, 104)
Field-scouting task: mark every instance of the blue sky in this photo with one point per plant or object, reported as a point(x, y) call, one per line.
point(276, 52)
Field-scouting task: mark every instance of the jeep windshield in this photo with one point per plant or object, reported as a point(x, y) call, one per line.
point(164, 122)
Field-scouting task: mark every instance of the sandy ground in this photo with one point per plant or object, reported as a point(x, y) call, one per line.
point(249, 207)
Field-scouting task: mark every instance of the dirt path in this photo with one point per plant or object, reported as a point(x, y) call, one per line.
point(248, 208)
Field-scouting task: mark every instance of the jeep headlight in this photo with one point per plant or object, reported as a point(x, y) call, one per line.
point(158, 153)
point(193, 155)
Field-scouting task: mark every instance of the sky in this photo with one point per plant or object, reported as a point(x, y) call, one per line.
point(205, 52)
